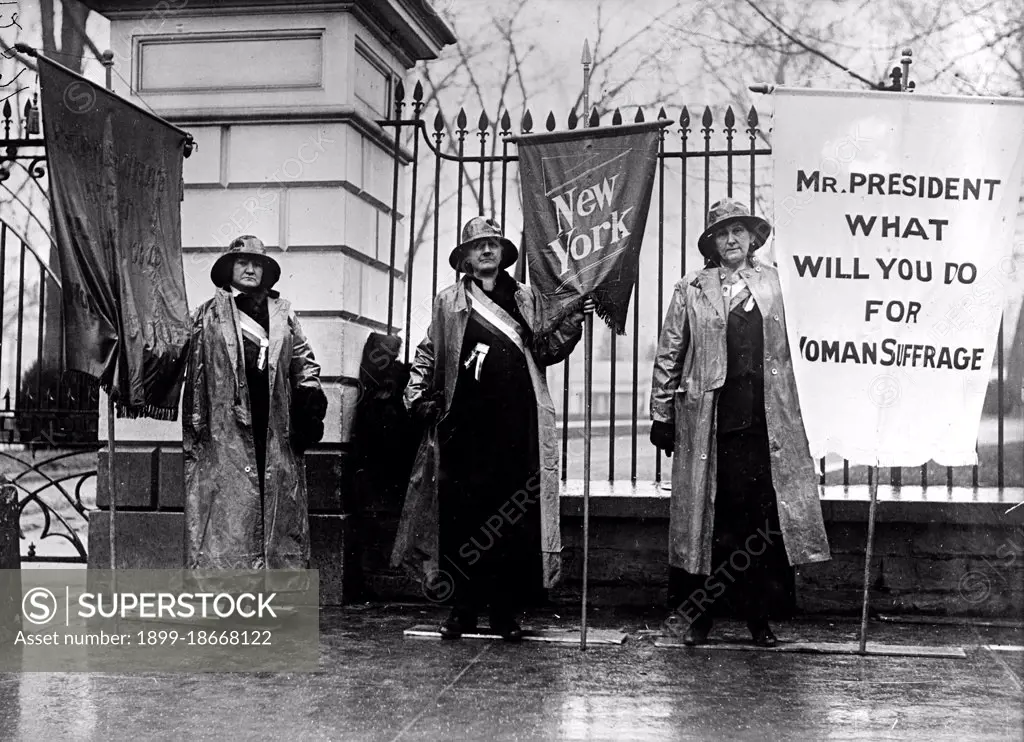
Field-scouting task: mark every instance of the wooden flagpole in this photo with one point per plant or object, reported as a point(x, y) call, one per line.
point(108, 64)
point(868, 552)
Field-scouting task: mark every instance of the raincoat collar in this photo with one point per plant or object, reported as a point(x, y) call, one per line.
point(709, 281)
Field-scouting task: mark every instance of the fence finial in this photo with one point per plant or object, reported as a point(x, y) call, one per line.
point(586, 60)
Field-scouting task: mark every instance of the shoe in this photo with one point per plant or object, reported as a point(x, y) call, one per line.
point(697, 633)
point(762, 634)
point(508, 628)
point(459, 622)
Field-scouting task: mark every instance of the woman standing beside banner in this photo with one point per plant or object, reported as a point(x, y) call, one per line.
point(724, 400)
point(252, 405)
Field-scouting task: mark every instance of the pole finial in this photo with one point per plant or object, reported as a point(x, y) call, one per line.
point(586, 59)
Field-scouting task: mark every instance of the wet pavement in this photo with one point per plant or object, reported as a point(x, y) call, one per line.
point(374, 684)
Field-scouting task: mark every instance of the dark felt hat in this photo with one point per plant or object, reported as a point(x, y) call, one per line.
point(245, 246)
point(728, 210)
point(481, 228)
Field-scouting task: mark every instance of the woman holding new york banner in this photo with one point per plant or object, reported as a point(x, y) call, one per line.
point(745, 503)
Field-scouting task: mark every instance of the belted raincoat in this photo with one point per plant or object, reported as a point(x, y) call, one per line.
point(689, 369)
point(435, 370)
point(228, 524)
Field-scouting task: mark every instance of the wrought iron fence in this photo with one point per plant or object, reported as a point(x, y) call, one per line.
point(699, 161)
point(48, 424)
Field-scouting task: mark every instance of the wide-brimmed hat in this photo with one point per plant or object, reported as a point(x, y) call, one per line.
point(245, 246)
point(481, 228)
point(728, 210)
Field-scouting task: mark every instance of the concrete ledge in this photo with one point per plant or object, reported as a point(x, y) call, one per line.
point(171, 479)
point(136, 471)
point(909, 504)
point(153, 477)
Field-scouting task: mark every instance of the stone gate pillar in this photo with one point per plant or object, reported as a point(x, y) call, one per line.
point(281, 98)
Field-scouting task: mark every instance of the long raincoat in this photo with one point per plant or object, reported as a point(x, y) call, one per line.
point(228, 523)
point(689, 369)
point(435, 369)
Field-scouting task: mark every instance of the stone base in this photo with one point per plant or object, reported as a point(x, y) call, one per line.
point(937, 552)
point(155, 540)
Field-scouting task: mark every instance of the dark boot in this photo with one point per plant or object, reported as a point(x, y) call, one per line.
point(460, 621)
point(762, 633)
point(503, 623)
point(698, 630)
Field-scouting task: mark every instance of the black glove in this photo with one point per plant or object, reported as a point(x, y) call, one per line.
point(309, 407)
point(426, 409)
point(663, 436)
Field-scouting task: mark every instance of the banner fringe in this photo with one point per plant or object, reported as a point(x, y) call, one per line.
point(134, 412)
point(606, 316)
point(121, 410)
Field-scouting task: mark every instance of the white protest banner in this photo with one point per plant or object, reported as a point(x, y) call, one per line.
point(895, 216)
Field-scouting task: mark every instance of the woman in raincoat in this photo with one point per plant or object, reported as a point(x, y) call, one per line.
point(252, 405)
point(481, 516)
point(745, 502)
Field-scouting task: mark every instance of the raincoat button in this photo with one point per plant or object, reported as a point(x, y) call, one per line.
point(248, 469)
point(776, 318)
point(757, 270)
point(703, 456)
point(775, 372)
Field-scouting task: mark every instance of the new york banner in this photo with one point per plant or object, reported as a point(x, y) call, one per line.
point(894, 223)
point(586, 194)
point(115, 195)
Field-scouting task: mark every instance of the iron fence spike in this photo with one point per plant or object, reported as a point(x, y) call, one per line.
point(595, 119)
point(417, 92)
point(639, 118)
point(616, 118)
point(661, 113)
point(460, 120)
point(527, 122)
point(707, 118)
point(730, 118)
point(573, 119)
point(549, 124)
point(506, 122)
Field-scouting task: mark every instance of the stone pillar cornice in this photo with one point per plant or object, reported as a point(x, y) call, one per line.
point(411, 26)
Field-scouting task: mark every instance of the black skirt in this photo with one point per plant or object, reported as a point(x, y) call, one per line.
point(750, 573)
point(489, 484)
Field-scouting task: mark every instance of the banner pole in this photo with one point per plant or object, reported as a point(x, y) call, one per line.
point(111, 483)
point(107, 61)
point(588, 387)
point(868, 550)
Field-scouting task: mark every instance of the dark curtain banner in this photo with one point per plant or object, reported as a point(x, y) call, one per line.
point(586, 194)
point(115, 199)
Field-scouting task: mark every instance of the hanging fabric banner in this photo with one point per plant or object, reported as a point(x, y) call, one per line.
point(115, 197)
point(586, 194)
point(894, 221)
